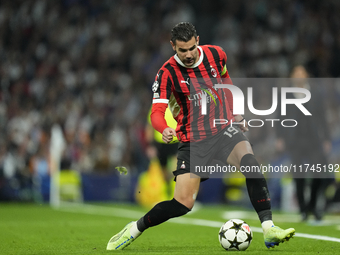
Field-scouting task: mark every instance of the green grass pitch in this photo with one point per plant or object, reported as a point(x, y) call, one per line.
point(39, 229)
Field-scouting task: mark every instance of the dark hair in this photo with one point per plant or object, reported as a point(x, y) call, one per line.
point(183, 31)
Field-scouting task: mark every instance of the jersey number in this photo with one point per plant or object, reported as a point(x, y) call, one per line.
point(230, 131)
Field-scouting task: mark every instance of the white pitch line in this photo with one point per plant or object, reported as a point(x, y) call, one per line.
point(319, 237)
point(101, 210)
point(131, 214)
point(330, 220)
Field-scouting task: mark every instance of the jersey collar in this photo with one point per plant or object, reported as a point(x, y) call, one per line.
point(194, 65)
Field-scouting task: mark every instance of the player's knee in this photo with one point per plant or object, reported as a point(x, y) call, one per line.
point(187, 201)
point(249, 167)
point(249, 160)
point(180, 208)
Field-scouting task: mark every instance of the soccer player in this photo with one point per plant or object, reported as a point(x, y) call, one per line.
point(199, 140)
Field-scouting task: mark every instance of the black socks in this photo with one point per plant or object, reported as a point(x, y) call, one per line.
point(160, 213)
point(257, 188)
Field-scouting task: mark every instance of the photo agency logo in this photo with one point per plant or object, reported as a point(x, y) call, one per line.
point(239, 104)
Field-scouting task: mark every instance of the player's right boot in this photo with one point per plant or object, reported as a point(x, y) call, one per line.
point(122, 239)
point(275, 236)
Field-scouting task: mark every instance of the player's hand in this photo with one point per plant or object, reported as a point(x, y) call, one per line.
point(327, 146)
point(280, 145)
point(243, 123)
point(168, 134)
point(151, 152)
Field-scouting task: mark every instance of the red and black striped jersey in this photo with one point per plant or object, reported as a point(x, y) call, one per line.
point(181, 88)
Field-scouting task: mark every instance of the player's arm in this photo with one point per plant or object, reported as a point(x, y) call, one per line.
point(159, 123)
point(162, 92)
point(243, 124)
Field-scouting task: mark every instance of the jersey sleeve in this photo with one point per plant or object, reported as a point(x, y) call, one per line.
point(224, 72)
point(157, 117)
point(161, 89)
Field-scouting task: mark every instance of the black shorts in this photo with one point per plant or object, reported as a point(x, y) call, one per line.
point(202, 153)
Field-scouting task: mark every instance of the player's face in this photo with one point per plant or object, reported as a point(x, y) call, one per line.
point(299, 74)
point(187, 52)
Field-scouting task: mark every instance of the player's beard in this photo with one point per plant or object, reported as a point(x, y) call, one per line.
point(189, 62)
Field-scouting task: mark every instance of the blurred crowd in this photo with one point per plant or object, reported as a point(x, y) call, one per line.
point(88, 65)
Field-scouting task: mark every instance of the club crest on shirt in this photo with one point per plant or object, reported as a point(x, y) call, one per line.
point(155, 86)
point(183, 165)
point(213, 72)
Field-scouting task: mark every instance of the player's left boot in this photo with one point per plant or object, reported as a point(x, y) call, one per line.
point(275, 236)
point(122, 239)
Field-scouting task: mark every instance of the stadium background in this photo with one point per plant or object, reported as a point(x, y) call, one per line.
point(89, 66)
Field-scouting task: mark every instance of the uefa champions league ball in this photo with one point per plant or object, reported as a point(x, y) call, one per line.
point(235, 235)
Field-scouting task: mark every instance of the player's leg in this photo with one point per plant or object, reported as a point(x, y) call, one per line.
point(317, 201)
point(316, 188)
point(186, 189)
point(184, 198)
point(242, 157)
point(300, 185)
point(300, 182)
point(185, 193)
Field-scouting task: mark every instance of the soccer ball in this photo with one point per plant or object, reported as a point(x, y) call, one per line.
point(235, 235)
